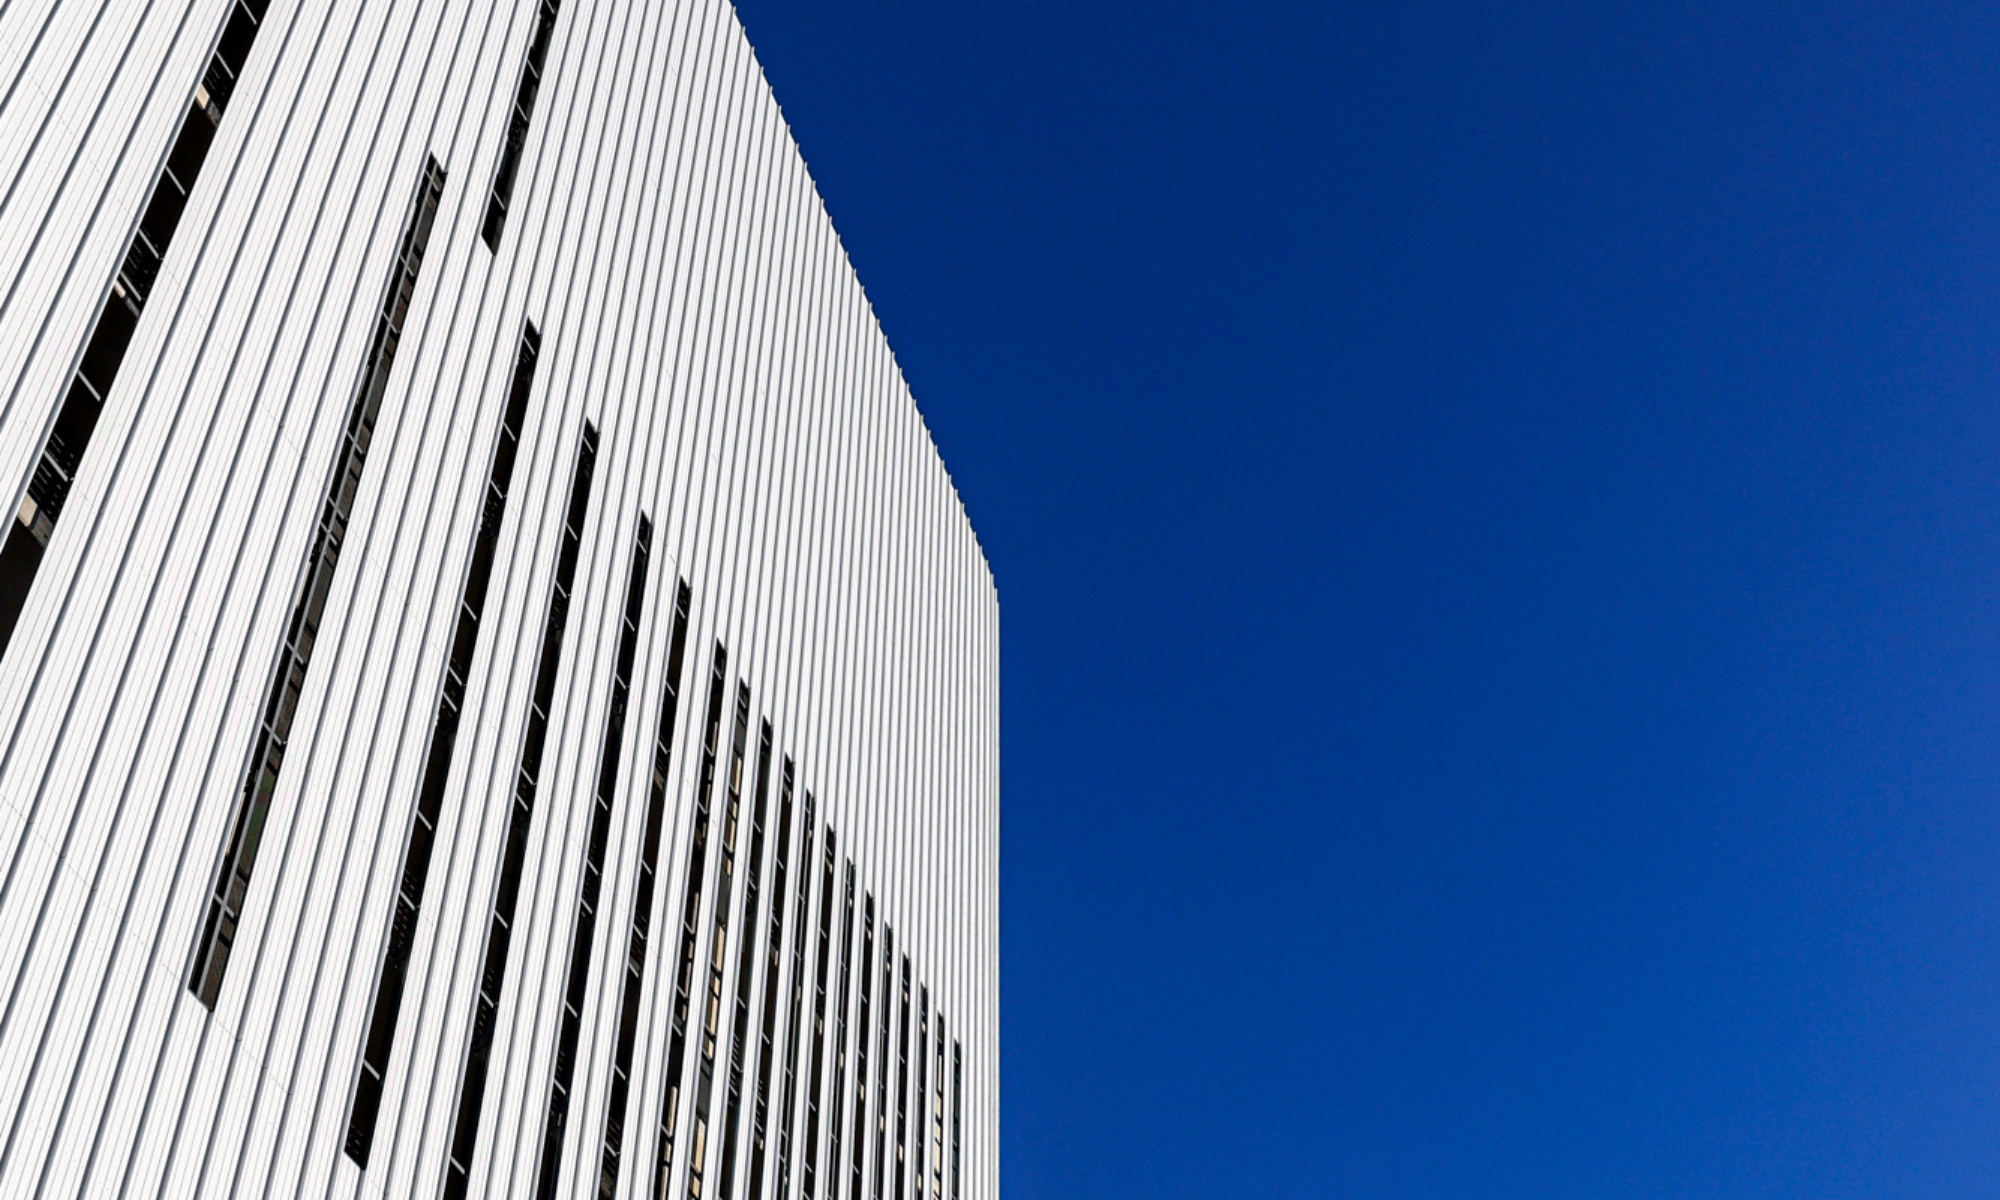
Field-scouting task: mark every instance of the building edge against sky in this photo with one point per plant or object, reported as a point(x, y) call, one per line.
point(499, 691)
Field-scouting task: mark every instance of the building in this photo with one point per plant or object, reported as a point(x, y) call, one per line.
point(499, 692)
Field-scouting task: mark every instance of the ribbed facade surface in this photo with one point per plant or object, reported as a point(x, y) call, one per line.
point(499, 692)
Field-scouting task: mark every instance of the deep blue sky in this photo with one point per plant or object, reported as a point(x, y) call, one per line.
point(1497, 519)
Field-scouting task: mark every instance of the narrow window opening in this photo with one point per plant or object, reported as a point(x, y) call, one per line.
point(718, 953)
point(840, 1043)
point(520, 817)
point(218, 82)
point(957, 1111)
point(746, 964)
point(817, 1062)
point(922, 1090)
point(232, 885)
point(670, 1104)
point(858, 1151)
point(882, 1059)
point(104, 350)
point(583, 936)
point(937, 1114)
point(642, 908)
point(903, 1087)
point(774, 943)
point(517, 125)
point(796, 1005)
point(437, 763)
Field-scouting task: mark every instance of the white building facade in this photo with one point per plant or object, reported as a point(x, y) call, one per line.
point(498, 691)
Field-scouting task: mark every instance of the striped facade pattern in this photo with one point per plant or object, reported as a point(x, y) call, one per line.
point(504, 693)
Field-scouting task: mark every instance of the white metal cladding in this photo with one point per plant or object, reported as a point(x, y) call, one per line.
point(695, 305)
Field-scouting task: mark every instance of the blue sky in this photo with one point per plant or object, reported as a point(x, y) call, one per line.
point(1497, 519)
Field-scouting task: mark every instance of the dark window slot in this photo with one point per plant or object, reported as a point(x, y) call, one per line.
point(437, 762)
point(937, 1113)
point(521, 813)
point(583, 938)
point(517, 125)
point(957, 1111)
point(796, 1005)
point(670, 1101)
point(746, 964)
point(809, 1161)
point(858, 1151)
point(903, 1087)
point(225, 907)
point(184, 161)
point(718, 950)
point(774, 943)
point(236, 39)
point(231, 52)
point(108, 343)
point(921, 1092)
point(882, 1057)
point(111, 334)
point(642, 906)
point(20, 558)
point(840, 1044)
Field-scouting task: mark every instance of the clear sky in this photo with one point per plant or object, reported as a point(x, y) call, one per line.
point(1497, 518)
